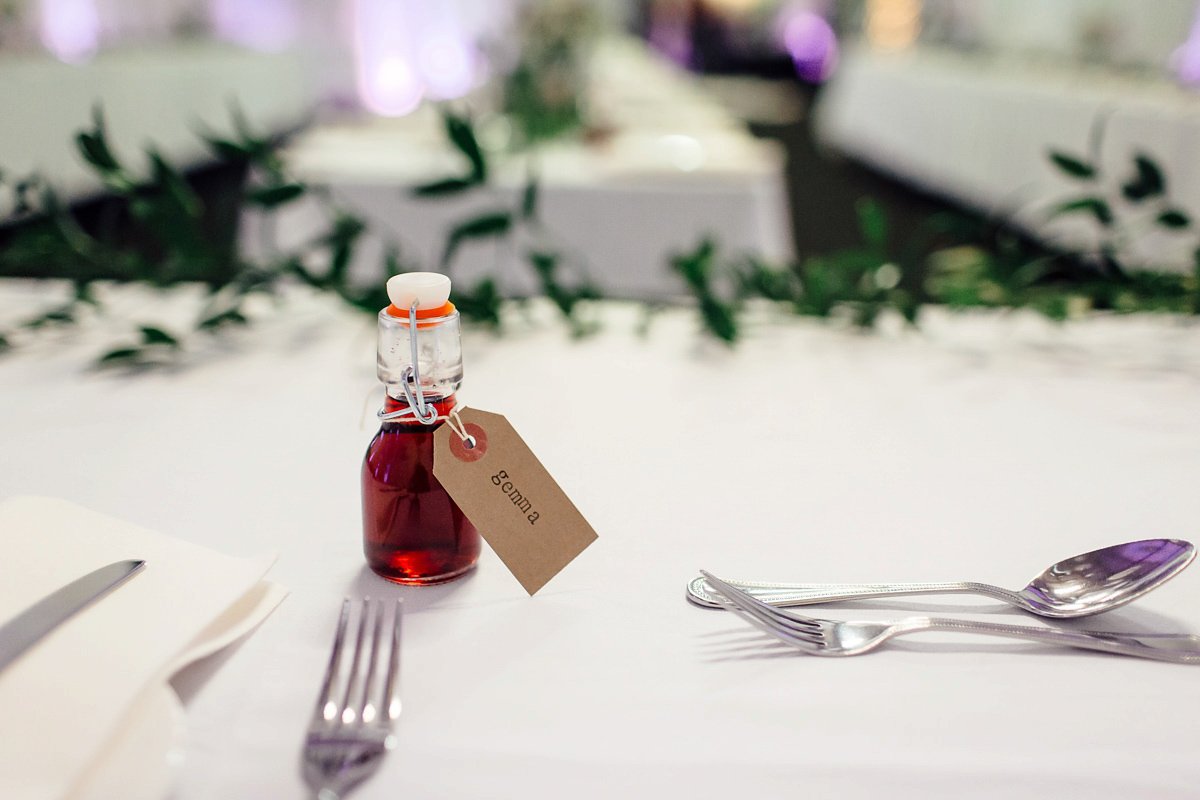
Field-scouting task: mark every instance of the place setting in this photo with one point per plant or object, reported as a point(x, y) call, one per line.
point(1081, 586)
point(96, 616)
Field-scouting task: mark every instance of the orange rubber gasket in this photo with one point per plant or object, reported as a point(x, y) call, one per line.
point(422, 313)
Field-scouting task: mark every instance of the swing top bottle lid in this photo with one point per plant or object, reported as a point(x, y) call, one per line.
point(431, 291)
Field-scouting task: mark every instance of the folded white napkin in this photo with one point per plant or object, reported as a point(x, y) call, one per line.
point(74, 708)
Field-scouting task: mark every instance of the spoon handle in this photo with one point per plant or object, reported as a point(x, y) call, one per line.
point(801, 594)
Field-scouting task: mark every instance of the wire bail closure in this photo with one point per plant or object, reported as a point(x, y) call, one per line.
point(425, 413)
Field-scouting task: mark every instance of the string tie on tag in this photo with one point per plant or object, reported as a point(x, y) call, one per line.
point(458, 427)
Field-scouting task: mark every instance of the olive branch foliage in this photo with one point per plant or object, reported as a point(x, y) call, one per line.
point(961, 261)
point(950, 259)
point(175, 239)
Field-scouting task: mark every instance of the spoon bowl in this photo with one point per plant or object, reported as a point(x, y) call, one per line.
point(1107, 578)
point(1080, 586)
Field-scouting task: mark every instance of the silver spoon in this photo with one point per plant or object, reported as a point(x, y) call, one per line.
point(1076, 587)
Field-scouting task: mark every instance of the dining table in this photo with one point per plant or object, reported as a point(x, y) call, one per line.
point(980, 446)
point(979, 126)
point(658, 164)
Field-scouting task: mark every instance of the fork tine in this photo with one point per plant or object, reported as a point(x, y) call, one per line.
point(345, 744)
point(765, 616)
point(348, 711)
point(737, 602)
point(326, 710)
point(796, 622)
point(391, 689)
point(368, 711)
point(788, 619)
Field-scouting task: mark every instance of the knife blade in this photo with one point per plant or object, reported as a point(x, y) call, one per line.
point(24, 630)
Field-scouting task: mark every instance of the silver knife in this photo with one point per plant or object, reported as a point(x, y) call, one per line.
point(24, 630)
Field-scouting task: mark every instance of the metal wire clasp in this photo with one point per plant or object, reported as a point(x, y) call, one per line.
point(425, 413)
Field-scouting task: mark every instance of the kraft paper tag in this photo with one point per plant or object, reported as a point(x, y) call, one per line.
point(510, 497)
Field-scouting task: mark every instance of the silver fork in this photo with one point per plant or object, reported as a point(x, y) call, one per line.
point(825, 637)
point(351, 728)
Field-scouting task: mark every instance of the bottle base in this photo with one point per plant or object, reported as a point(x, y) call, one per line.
point(400, 577)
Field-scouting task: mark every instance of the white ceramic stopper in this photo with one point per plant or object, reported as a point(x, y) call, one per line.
point(429, 289)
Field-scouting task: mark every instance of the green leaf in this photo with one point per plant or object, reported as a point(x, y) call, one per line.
point(231, 316)
point(274, 196)
point(529, 199)
point(1095, 206)
point(1148, 182)
point(865, 313)
point(481, 303)
point(84, 293)
point(492, 224)
point(719, 319)
point(1054, 306)
point(1112, 264)
point(393, 265)
point(121, 355)
point(761, 280)
point(255, 148)
point(59, 315)
point(341, 241)
point(153, 335)
point(695, 267)
point(544, 264)
point(1174, 219)
point(872, 223)
point(1196, 281)
point(1072, 166)
point(461, 132)
point(172, 183)
point(445, 188)
point(95, 151)
point(225, 149)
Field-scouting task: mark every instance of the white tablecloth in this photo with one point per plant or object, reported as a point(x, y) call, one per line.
point(676, 168)
point(982, 448)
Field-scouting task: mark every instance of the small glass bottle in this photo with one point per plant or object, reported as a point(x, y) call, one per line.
point(413, 532)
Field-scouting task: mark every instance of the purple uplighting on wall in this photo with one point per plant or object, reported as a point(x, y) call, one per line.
point(447, 64)
point(407, 50)
point(811, 43)
point(267, 25)
point(70, 29)
point(1186, 60)
point(388, 83)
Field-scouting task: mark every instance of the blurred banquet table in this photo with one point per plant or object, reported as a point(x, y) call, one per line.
point(981, 447)
point(166, 95)
point(671, 168)
point(978, 128)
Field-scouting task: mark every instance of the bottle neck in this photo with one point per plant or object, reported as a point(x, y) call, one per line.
point(443, 405)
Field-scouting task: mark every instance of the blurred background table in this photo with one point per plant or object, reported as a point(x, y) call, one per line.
point(166, 96)
point(666, 167)
point(984, 447)
point(978, 129)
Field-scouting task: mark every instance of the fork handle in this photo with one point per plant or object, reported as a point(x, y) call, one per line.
point(1160, 646)
point(802, 594)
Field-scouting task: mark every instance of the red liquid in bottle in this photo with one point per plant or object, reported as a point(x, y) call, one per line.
point(413, 532)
